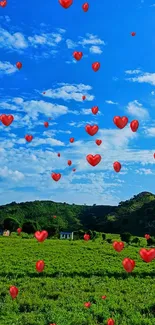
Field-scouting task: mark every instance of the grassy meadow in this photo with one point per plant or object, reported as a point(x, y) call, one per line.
point(75, 272)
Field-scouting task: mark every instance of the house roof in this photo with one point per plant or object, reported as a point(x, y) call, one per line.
point(66, 232)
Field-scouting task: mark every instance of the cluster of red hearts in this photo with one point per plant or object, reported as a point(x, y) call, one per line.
point(146, 254)
point(94, 160)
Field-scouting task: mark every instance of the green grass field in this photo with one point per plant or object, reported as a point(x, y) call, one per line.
point(75, 273)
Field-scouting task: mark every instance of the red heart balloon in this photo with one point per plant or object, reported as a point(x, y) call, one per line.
point(3, 3)
point(93, 160)
point(134, 125)
point(40, 266)
point(58, 154)
point(7, 119)
point(94, 110)
point(46, 124)
point(69, 162)
point(87, 304)
point(96, 66)
point(91, 129)
point(83, 97)
point(41, 235)
point(117, 166)
point(133, 34)
point(77, 55)
point(147, 255)
point(118, 246)
point(56, 176)
point(147, 236)
point(13, 291)
point(98, 142)
point(86, 237)
point(120, 122)
point(85, 6)
point(110, 321)
point(66, 3)
point(28, 138)
point(19, 230)
point(71, 140)
point(19, 65)
point(128, 264)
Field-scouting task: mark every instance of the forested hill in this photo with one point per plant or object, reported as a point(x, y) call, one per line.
point(136, 216)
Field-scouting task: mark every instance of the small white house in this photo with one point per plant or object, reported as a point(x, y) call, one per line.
point(66, 235)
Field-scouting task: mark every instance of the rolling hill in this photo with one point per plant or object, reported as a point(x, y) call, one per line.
point(135, 216)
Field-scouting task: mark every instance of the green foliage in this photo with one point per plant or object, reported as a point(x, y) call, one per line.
point(103, 236)
point(75, 272)
point(151, 241)
point(109, 240)
point(135, 216)
point(135, 240)
point(126, 236)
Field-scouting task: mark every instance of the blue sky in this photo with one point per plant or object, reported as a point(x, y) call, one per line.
point(43, 36)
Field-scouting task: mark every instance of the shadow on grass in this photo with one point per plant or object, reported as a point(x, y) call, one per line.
point(116, 275)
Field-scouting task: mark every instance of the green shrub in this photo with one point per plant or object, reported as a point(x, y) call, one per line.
point(14, 234)
point(126, 236)
point(136, 240)
point(151, 241)
point(109, 240)
point(103, 236)
point(24, 235)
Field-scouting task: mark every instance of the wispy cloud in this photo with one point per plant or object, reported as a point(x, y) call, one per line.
point(144, 77)
point(92, 42)
point(7, 68)
point(137, 71)
point(137, 110)
point(70, 92)
point(150, 132)
point(95, 49)
point(17, 41)
point(110, 102)
point(144, 171)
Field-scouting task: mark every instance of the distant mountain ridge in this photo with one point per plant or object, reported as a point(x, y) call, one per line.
point(135, 216)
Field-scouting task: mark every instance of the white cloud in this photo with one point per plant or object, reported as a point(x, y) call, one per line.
point(50, 39)
point(111, 102)
point(47, 141)
point(71, 61)
point(7, 68)
point(150, 132)
point(92, 42)
point(70, 92)
point(145, 77)
point(86, 111)
point(91, 39)
point(80, 124)
point(70, 44)
point(13, 41)
point(144, 171)
point(19, 42)
point(34, 107)
point(95, 49)
point(133, 71)
point(14, 175)
point(18, 100)
point(136, 109)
